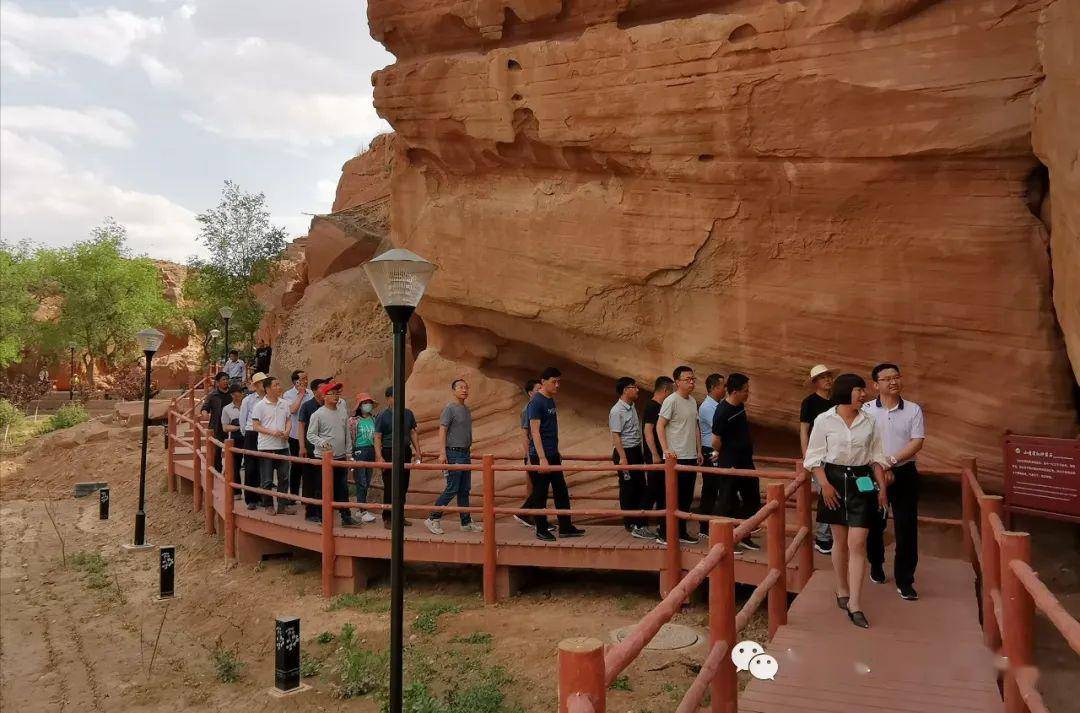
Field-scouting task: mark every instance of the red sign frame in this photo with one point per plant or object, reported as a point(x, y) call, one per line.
point(1042, 476)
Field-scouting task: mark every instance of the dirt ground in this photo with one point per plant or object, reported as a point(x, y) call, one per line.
point(74, 640)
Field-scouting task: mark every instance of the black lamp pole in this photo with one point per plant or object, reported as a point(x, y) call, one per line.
point(399, 315)
point(226, 357)
point(140, 514)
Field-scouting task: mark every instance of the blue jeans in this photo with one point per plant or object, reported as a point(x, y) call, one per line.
point(365, 454)
point(458, 484)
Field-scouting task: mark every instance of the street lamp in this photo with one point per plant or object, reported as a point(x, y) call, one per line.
point(71, 372)
point(226, 314)
point(399, 278)
point(149, 341)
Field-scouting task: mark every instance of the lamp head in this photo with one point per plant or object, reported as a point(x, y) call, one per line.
point(149, 340)
point(399, 277)
point(215, 333)
point(226, 313)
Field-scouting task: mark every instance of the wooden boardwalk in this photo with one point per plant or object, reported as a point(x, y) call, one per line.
point(917, 657)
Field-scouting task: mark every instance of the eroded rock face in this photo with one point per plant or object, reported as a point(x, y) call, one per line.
point(627, 185)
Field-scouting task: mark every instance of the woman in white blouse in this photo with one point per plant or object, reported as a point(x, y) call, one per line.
point(848, 461)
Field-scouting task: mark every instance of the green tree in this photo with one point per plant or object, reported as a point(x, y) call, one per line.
point(18, 280)
point(106, 297)
point(243, 248)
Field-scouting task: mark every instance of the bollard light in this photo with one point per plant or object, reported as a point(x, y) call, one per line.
point(149, 340)
point(400, 278)
point(167, 577)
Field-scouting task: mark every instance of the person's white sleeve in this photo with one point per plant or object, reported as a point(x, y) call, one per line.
point(877, 448)
point(613, 422)
point(918, 425)
point(667, 409)
point(816, 448)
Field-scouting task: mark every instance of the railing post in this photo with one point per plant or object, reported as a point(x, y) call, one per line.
point(208, 487)
point(991, 568)
point(775, 546)
point(725, 687)
point(805, 513)
point(581, 674)
point(191, 398)
point(490, 594)
point(170, 451)
point(196, 466)
point(327, 524)
point(968, 510)
point(1018, 610)
point(673, 557)
point(228, 462)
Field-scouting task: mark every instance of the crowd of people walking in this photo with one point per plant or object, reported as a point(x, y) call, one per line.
point(860, 451)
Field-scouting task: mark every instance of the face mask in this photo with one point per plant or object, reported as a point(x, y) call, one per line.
point(366, 409)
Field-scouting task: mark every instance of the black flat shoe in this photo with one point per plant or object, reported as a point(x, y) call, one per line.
point(842, 602)
point(858, 619)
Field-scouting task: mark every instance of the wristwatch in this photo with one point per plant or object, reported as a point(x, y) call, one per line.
point(891, 459)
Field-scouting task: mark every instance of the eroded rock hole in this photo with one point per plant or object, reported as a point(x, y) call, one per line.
point(516, 97)
point(512, 65)
point(705, 157)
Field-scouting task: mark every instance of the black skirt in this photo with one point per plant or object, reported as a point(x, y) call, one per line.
point(856, 509)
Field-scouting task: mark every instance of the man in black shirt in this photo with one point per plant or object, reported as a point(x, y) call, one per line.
point(813, 406)
point(216, 400)
point(384, 451)
point(739, 497)
point(654, 480)
point(310, 474)
point(262, 357)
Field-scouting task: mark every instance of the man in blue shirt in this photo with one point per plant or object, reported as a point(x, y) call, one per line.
point(544, 450)
point(710, 484)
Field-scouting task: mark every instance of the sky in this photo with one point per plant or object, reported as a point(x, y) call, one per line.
point(142, 110)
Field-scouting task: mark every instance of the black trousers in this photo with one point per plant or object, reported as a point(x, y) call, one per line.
point(311, 487)
point(294, 482)
point(555, 481)
point(654, 484)
point(387, 477)
point(631, 485)
point(710, 488)
point(737, 497)
point(686, 483)
point(238, 460)
point(903, 497)
point(251, 468)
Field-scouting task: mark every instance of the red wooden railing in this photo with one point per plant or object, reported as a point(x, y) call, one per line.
point(1010, 593)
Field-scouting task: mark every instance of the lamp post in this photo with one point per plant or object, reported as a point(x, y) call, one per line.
point(226, 315)
point(399, 278)
point(71, 372)
point(149, 340)
point(211, 337)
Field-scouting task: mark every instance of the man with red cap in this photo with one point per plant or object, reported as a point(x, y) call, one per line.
point(327, 432)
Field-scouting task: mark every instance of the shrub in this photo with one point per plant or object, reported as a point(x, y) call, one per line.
point(227, 665)
point(477, 637)
point(69, 415)
point(10, 414)
point(373, 602)
point(621, 683)
point(309, 665)
point(324, 638)
point(21, 389)
point(427, 620)
point(357, 671)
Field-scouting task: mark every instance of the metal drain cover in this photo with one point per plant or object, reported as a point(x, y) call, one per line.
point(669, 638)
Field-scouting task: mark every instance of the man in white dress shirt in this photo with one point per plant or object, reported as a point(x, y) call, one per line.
point(903, 432)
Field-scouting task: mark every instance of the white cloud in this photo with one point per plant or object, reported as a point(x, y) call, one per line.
point(107, 36)
point(38, 181)
point(159, 74)
point(97, 125)
point(14, 59)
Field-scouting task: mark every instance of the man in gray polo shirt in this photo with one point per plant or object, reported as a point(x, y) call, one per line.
point(625, 427)
point(455, 448)
point(903, 432)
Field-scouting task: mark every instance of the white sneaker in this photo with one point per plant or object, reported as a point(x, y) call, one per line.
point(433, 526)
point(472, 527)
point(366, 516)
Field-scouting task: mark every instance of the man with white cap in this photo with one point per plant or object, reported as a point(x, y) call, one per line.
point(251, 438)
point(812, 406)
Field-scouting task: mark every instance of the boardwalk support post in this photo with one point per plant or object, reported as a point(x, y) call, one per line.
point(490, 564)
point(196, 464)
point(968, 508)
point(991, 568)
point(725, 686)
point(327, 524)
point(1018, 610)
point(170, 451)
point(581, 676)
point(672, 557)
point(805, 514)
point(228, 463)
point(208, 487)
point(775, 546)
